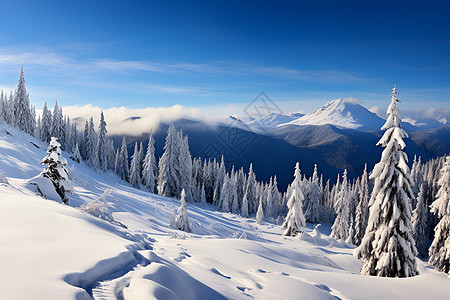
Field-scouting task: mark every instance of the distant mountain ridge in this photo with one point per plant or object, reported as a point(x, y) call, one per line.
point(343, 113)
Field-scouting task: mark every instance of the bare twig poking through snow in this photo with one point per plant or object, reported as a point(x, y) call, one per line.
point(99, 208)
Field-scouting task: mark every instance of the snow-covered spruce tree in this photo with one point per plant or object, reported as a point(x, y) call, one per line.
point(235, 201)
point(84, 142)
point(250, 191)
point(76, 154)
point(275, 198)
point(73, 136)
point(2, 106)
point(122, 168)
point(221, 173)
point(203, 196)
point(58, 124)
point(169, 166)
point(149, 172)
point(226, 196)
point(295, 220)
point(33, 123)
point(101, 149)
point(91, 144)
point(270, 203)
point(244, 207)
point(9, 110)
point(362, 210)
point(419, 221)
point(181, 220)
point(22, 112)
point(241, 185)
point(440, 248)
point(111, 152)
point(340, 228)
point(312, 213)
point(56, 170)
point(388, 248)
point(185, 160)
point(135, 170)
point(260, 212)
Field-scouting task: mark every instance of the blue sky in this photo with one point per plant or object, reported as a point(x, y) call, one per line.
point(211, 54)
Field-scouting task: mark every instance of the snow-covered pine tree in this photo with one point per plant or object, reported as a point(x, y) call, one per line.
point(122, 168)
point(419, 221)
point(244, 207)
point(84, 149)
point(250, 191)
point(74, 137)
point(2, 106)
point(101, 150)
point(9, 110)
point(260, 212)
point(388, 248)
point(57, 128)
point(92, 144)
point(22, 112)
point(226, 196)
point(116, 161)
point(235, 201)
point(203, 196)
point(185, 174)
point(340, 228)
point(207, 180)
point(440, 248)
point(241, 185)
point(181, 218)
point(76, 154)
point(271, 206)
point(275, 197)
point(56, 170)
point(197, 178)
point(141, 158)
point(33, 124)
point(221, 173)
point(415, 176)
point(135, 172)
point(295, 220)
point(46, 124)
point(38, 129)
point(169, 166)
point(149, 172)
point(362, 210)
point(312, 213)
point(111, 152)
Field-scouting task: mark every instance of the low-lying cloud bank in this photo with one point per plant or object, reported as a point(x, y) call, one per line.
point(122, 120)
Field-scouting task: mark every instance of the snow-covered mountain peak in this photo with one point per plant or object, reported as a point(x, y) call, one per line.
point(342, 112)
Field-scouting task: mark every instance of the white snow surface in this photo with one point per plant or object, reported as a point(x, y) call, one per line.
point(342, 112)
point(122, 246)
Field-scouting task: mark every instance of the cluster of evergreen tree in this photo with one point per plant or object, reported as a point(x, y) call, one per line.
point(16, 109)
point(392, 215)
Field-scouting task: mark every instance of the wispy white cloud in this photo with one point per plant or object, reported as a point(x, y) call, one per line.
point(45, 57)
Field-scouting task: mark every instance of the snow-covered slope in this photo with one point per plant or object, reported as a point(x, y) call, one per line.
point(52, 251)
point(272, 120)
point(344, 113)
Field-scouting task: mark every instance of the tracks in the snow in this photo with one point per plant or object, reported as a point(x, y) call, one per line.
point(107, 278)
